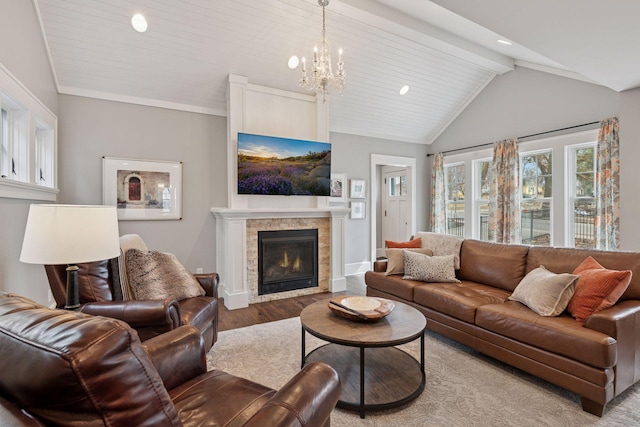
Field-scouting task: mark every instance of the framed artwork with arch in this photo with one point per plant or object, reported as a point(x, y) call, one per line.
point(142, 189)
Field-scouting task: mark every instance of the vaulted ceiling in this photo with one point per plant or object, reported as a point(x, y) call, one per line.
point(446, 51)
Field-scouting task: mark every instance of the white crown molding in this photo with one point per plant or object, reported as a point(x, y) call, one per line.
point(66, 90)
point(558, 72)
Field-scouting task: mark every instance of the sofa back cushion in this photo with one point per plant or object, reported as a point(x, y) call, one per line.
point(495, 264)
point(565, 260)
point(70, 368)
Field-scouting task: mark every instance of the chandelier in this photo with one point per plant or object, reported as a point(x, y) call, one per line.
point(321, 75)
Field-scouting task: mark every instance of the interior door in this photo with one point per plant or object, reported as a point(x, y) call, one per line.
point(396, 203)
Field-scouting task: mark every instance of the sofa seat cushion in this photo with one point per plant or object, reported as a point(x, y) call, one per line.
point(459, 300)
point(393, 285)
point(560, 335)
point(236, 400)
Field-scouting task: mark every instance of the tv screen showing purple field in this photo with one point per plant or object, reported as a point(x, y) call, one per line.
point(283, 166)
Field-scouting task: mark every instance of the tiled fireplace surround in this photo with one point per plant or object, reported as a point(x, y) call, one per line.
point(237, 249)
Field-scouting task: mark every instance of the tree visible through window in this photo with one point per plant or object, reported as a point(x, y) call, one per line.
point(537, 193)
point(582, 197)
point(454, 190)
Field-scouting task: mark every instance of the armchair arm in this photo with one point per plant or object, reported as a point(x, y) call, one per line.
point(148, 317)
point(210, 283)
point(620, 322)
point(306, 400)
point(178, 355)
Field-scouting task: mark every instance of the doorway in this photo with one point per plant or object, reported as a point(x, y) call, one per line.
point(397, 162)
point(396, 204)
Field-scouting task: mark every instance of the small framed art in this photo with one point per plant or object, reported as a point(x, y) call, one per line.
point(338, 187)
point(142, 189)
point(358, 210)
point(358, 189)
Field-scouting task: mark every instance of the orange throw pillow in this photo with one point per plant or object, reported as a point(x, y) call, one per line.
point(415, 243)
point(598, 288)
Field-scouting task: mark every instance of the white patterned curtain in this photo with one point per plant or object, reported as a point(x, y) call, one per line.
point(504, 195)
point(608, 185)
point(438, 208)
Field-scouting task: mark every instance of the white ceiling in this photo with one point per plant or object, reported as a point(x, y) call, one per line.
point(445, 50)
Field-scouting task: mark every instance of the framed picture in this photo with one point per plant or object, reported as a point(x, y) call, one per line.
point(142, 189)
point(338, 187)
point(358, 210)
point(358, 190)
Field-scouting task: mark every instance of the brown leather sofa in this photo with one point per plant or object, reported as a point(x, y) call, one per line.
point(597, 359)
point(68, 368)
point(98, 288)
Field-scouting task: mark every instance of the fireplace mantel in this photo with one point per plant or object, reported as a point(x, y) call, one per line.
point(231, 247)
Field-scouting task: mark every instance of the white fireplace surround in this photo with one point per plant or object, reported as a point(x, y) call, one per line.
point(231, 247)
point(261, 110)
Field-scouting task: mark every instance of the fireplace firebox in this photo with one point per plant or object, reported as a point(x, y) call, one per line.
point(287, 260)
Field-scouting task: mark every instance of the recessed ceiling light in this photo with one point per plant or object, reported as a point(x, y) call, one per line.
point(139, 23)
point(404, 90)
point(293, 62)
point(507, 42)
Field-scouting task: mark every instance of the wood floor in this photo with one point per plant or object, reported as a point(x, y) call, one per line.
point(281, 309)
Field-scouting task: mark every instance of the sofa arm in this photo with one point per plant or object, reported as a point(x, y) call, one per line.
point(621, 323)
point(210, 283)
point(380, 266)
point(148, 317)
point(306, 400)
point(178, 355)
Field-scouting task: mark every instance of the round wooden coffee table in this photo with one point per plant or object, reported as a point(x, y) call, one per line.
point(374, 374)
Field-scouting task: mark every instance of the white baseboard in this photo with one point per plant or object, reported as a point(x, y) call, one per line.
point(357, 268)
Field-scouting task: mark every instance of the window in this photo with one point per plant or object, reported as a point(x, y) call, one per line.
point(398, 185)
point(28, 143)
point(537, 196)
point(581, 195)
point(44, 154)
point(481, 191)
point(557, 182)
point(15, 140)
point(454, 190)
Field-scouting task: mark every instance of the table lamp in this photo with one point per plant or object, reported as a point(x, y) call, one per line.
point(70, 234)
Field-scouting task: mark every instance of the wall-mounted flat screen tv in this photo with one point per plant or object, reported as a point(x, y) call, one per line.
point(283, 166)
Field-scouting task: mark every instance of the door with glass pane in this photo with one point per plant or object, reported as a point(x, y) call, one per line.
point(396, 204)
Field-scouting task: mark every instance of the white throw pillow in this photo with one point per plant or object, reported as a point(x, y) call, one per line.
point(544, 292)
point(436, 269)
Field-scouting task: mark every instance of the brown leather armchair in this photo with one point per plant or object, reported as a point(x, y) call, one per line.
point(69, 368)
point(98, 285)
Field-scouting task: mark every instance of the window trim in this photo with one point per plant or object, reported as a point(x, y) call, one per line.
point(35, 113)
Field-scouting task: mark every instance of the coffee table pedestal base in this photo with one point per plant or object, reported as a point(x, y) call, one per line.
point(391, 377)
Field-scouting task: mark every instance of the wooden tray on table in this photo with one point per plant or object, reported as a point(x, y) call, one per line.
point(360, 308)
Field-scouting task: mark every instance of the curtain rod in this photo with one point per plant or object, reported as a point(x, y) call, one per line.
point(519, 138)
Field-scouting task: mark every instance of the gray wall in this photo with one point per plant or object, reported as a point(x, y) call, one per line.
point(629, 176)
point(351, 154)
point(23, 53)
point(90, 129)
point(525, 102)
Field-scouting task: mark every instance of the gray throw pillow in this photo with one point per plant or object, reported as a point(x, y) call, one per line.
point(156, 275)
point(544, 292)
point(436, 269)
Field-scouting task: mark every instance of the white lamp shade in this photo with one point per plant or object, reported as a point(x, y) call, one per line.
point(70, 234)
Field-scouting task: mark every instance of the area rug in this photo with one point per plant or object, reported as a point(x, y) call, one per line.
point(463, 387)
